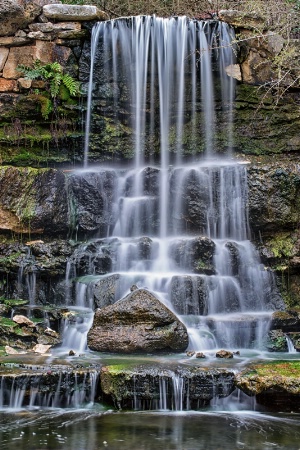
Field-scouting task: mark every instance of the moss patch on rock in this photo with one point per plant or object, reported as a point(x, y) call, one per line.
point(270, 377)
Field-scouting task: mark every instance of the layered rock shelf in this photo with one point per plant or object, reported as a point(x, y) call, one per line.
point(145, 385)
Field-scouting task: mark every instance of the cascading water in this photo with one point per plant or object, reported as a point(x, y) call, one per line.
point(174, 223)
point(178, 224)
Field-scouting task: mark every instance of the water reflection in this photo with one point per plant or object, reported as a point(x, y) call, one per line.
point(91, 430)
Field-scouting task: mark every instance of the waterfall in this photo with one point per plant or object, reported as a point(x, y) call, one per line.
point(60, 389)
point(177, 217)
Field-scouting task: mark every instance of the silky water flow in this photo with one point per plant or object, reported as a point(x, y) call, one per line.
point(177, 218)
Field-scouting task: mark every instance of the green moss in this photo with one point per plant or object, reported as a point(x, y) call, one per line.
point(9, 260)
point(275, 368)
point(14, 302)
point(4, 322)
point(282, 245)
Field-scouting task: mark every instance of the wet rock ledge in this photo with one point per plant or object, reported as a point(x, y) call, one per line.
point(146, 385)
point(275, 385)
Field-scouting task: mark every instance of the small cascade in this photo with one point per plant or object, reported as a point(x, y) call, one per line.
point(178, 390)
point(27, 278)
point(63, 389)
point(236, 401)
point(77, 324)
point(178, 386)
point(290, 345)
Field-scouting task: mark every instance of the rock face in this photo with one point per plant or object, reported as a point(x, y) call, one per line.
point(33, 199)
point(142, 385)
point(14, 16)
point(137, 323)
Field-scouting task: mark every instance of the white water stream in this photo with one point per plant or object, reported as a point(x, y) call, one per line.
point(169, 210)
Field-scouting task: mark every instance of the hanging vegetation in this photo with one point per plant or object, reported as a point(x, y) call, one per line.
point(57, 84)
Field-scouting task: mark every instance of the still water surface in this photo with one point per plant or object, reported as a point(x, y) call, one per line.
point(98, 429)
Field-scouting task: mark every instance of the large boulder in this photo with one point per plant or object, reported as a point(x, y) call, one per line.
point(14, 16)
point(137, 323)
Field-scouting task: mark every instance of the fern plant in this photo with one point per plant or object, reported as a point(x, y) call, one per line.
point(57, 83)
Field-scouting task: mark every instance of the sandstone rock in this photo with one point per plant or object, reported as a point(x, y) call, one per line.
point(200, 355)
point(11, 351)
point(73, 12)
point(256, 69)
point(137, 323)
point(72, 34)
point(286, 320)
point(47, 27)
point(224, 354)
point(234, 71)
point(50, 27)
point(22, 320)
point(51, 332)
point(41, 348)
point(41, 36)
point(195, 254)
point(24, 83)
point(240, 19)
point(3, 57)
point(189, 294)
point(274, 196)
point(92, 192)
point(38, 84)
point(15, 15)
point(26, 55)
point(45, 192)
point(13, 41)
point(8, 85)
point(11, 17)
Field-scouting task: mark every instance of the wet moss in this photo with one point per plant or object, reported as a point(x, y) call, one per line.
point(288, 369)
point(282, 245)
point(5, 322)
point(14, 302)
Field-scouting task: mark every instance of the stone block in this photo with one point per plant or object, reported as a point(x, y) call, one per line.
point(24, 83)
point(13, 41)
point(15, 15)
point(3, 57)
point(40, 36)
point(11, 16)
point(41, 27)
point(70, 34)
point(74, 12)
point(8, 85)
point(42, 50)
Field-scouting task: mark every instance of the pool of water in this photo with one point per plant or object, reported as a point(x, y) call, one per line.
point(93, 429)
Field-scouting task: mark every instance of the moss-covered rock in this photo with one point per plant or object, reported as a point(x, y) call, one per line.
point(164, 386)
point(138, 323)
point(275, 384)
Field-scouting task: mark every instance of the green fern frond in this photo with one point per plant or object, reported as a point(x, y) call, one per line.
point(71, 84)
point(56, 83)
point(29, 73)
